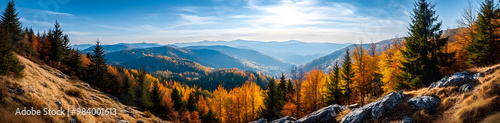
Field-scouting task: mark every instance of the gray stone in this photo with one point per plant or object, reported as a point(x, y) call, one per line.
point(478, 75)
point(20, 91)
point(428, 103)
point(58, 102)
point(113, 97)
point(122, 121)
point(286, 119)
point(456, 79)
point(44, 84)
point(60, 75)
point(73, 120)
point(326, 114)
point(465, 88)
point(375, 109)
point(261, 120)
point(140, 121)
point(87, 85)
point(353, 106)
point(129, 113)
point(407, 119)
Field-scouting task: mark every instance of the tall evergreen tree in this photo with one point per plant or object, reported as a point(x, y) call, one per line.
point(11, 24)
point(347, 75)
point(282, 87)
point(271, 109)
point(483, 49)
point(59, 43)
point(289, 87)
point(333, 91)
point(98, 69)
point(8, 62)
point(75, 62)
point(156, 97)
point(141, 78)
point(179, 104)
point(192, 101)
point(421, 62)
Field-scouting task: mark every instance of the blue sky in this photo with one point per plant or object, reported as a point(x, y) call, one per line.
point(174, 21)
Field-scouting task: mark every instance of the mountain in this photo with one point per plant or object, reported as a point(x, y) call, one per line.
point(326, 62)
point(81, 46)
point(263, 62)
point(43, 87)
point(167, 66)
point(295, 52)
point(120, 46)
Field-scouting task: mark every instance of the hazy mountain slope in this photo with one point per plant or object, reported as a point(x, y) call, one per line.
point(42, 88)
point(256, 57)
point(166, 65)
point(292, 51)
point(121, 46)
point(326, 62)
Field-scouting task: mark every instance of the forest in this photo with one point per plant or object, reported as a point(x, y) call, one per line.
point(232, 95)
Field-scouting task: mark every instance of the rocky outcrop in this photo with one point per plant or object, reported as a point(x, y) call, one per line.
point(286, 119)
point(465, 88)
point(261, 120)
point(375, 109)
point(457, 79)
point(428, 103)
point(326, 114)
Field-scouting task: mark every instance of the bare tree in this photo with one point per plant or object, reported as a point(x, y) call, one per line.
point(468, 16)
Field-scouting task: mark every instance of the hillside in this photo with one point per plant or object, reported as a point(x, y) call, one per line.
point(45, 87)
point(292, 51)
point(264, 62)
point(117, 47)
point(326, 62)
point(165, 64)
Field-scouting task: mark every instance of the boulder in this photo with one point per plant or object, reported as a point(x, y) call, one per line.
point(456, 79)
point(20, 91)
point(261, 120)
point(122, 121)
point(60, 75)
point(353, 106)
point(44, 84)
point(286, 119)
point(326, 114)
point(478, 75)
point(58, 103)
point(374, 109)
point(465, 88)
point(73, 120)
point(113, 97)
point(129, 113)
point(87, 85)
point(140, 121)
point(428, 103)
point(407, 119)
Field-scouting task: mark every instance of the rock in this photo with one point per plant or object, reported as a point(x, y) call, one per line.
point(326, 114)
point(11, 90)
point(375, 109)
point(478, 75)
point(20, 91)
point(286, 119)
point(94, 98)
point(44, 84)
point(113, 98)
point(456, 79)
point(122, 121)
point(129, 113)
point(58, 102)
point(261, 120)
point(353, 106)
point(31, 89)
point(428, 103)
point(73, 120)
point(87, 85)
point(465, 88)
point(140, 121)
point(60, 75)
point(407, 120)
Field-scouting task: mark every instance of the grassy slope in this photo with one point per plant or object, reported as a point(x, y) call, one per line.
point(36, 94)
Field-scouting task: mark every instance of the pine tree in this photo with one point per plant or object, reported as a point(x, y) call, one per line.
point(347, 75)
point(98, 69)
point(156, 97)
point(176, 97)
point(59, 43)
point(271, 109)
point(289, 87)
point(282, 88)
point(483, 50)
point(333, 91)
point(75, 62)
point(8, 62)
point(11, 24)
point(192, 101)
point(423, 47)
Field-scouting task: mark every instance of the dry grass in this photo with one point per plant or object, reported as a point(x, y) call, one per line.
point(57, 89)
point(148, 114)
point(10, 117)
point(495, 118)
point(342, 114)
point(422, 117)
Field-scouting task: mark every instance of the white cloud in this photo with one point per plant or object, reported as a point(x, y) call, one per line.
point(195, 20)
point(75, 33)
point(56, 13)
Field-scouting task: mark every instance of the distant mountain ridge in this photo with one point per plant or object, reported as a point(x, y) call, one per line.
point(116, 47)
point(292, 51)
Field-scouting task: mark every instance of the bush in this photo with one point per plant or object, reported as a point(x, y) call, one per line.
point(75, 93)
point(35, 102)
point(148, 114)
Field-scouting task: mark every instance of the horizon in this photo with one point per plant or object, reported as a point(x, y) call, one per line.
point(170, 22)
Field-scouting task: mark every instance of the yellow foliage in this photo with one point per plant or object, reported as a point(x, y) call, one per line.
point(313, 89)
point(389, 66)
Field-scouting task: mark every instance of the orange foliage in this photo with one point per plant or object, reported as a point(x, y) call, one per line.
point(389, 65)
point(313, 89)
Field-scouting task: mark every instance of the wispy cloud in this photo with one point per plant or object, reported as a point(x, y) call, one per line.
point(56, 13)
point(75, 33)
point(195, 20)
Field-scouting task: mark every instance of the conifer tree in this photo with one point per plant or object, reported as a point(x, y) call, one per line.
point(8, 62)
point(11, 24)
point(75, 62)
point(282, 88)
point(333, 92)
point(192, 101)
point(422, 60)
point(176, 97)
point(347, 75)
point(156, 97)
point(289, 87)
point(98, 69)
point(59, 43)
point(483, 49)
point(271, 109)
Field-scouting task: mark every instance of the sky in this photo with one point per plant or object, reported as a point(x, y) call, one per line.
point(178, 21)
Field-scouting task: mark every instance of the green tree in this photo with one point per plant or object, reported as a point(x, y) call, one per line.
point(333, 91)
point(422, 60)
point(347, 75)
point(483, 49)
point(271, 109)
point(282, 88)
point(156, 98)
point(98, 69)
point(176, 97)
point(192, 101)
point(11, 24)
point(289, 87)
point(59, 43)
point(8, 62)
point(75, 62)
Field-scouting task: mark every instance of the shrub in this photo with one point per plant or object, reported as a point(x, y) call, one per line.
point(148, 114)
point(75, 93)
point(35, 102)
